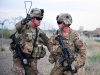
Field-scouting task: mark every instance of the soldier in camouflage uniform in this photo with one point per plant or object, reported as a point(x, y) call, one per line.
point(27, 32)
point(71, 40)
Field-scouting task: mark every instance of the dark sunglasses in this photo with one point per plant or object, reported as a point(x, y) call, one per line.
point(59, 22)
point(38, 18)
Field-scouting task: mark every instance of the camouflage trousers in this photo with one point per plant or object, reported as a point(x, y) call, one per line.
point(19, 70)
point(58, 71)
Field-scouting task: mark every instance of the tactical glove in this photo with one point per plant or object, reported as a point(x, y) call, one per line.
point(73, 68)
point(26, 20)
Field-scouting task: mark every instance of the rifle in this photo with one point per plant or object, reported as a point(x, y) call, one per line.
point(65, 55)
point(18, 51)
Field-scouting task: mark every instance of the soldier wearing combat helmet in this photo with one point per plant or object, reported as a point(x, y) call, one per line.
point(71, 41)
point(32, 39)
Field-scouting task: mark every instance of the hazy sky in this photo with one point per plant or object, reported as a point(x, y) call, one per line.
point(84, 13)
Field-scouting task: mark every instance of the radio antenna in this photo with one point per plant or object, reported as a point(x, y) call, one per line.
point(30, 6)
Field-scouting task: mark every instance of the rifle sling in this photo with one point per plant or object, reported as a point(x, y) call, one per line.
point(34, 42)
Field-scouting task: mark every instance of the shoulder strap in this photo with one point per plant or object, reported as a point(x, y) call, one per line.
point(57, 32)
point(35, 37)
point(34, 43)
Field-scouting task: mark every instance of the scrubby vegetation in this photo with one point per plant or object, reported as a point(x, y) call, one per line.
point(6, 33)
point(93, 57)
point(2, 48)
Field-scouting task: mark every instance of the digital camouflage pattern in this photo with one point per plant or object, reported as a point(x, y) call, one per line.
point(65, 17)
point(77, 49)
point(35, 12)
point(26, 37)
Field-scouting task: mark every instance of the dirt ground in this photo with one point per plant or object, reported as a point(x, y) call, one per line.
point(44, 66)
point(6, 63)
point(5, 59)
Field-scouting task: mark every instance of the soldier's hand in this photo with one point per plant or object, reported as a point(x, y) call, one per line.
point(73, 68)
point(26, 20)
point(23, 22)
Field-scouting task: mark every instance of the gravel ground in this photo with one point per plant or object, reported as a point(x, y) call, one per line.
point(6, 63)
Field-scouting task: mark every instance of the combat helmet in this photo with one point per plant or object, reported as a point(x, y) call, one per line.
point(65, 17)
point(36, 12)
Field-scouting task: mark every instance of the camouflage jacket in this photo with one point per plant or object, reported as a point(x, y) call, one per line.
point(26, 37)
point(71, 40)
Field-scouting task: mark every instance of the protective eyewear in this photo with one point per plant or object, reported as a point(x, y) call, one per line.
point(38, 18)
point(59, 22)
